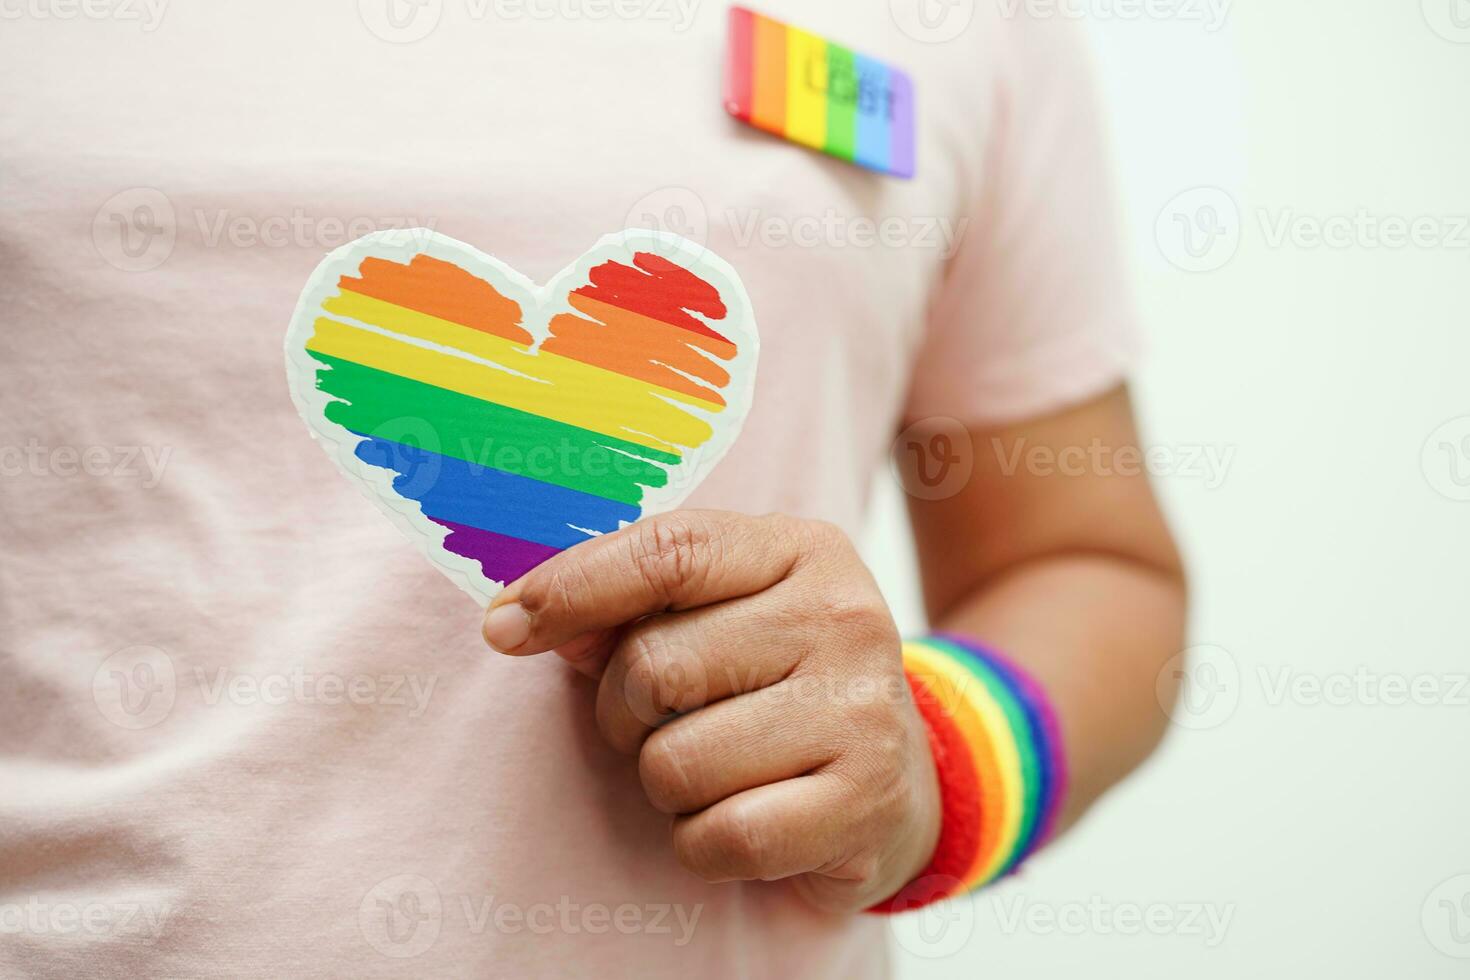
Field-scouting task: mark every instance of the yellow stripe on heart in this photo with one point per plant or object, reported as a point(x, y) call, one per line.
point(547, 385)
point(489, 346)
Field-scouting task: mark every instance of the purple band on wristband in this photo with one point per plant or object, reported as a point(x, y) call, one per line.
point(1039, 710)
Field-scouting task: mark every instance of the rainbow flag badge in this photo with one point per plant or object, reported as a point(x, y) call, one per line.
point(814, 92)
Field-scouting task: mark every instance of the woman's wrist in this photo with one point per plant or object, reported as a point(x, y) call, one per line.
point(998, 752)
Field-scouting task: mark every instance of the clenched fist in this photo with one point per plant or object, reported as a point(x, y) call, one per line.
point(752, 665)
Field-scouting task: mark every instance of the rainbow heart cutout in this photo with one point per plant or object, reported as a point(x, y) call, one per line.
point(498, 422)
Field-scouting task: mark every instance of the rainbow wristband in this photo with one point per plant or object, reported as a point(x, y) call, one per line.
point(1002, 769)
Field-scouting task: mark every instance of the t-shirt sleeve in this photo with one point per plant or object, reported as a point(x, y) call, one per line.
point(1035, 309)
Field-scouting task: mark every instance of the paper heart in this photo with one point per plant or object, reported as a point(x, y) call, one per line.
point(498, 422)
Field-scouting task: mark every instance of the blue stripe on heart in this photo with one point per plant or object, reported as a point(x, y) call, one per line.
point(450, 489)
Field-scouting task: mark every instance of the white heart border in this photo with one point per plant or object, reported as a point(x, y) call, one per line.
point(539, 303)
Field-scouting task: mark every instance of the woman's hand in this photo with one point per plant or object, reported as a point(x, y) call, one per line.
point(753, 667)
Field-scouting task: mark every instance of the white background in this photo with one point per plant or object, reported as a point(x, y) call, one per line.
point(1326, 831)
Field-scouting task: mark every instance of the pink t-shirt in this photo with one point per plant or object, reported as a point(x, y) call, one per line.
point(245, 729)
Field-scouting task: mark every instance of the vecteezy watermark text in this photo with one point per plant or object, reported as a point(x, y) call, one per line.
point(1211, 14)
point(147, 14)
point(1202, 229)
point(143, 463)
point(683, 212)
point(138, 228)
point(1208, 464)
point(1200, 688)
point(1363, 687)
point(832, 229)
point(1204, 921)
point(406, 21)
point(139, 687)
point(300, 686)
point(403, 916)
point(38, 917)
point(298, 229)
point(1362, 229)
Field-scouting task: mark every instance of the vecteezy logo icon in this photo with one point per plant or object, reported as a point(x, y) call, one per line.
point(932, 21)
point(1445, 917)
point(410, 446)
point(1446, 459)
point(932, 931)
point(400, 21)
point(934, 458)
point(674, 211)
point(1199, 688)
point(671, 681)
point(1199, 230)
point(135, 688)
point(401, 916)
point(135, 229)
point(1450, 19)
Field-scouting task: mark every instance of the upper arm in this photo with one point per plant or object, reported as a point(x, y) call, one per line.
point(1029, 341)
point(1069, 483)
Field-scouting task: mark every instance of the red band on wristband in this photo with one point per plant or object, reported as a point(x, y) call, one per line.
point(959, 796)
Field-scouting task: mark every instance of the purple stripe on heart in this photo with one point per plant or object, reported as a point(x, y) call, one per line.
point(503, 558)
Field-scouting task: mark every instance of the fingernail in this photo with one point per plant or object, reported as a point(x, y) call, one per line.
point(507, 627)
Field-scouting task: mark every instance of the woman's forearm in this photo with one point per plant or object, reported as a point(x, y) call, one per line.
point(1073, 574)
point(1097, 632)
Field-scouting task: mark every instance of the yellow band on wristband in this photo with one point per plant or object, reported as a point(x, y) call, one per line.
point(948, 690)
